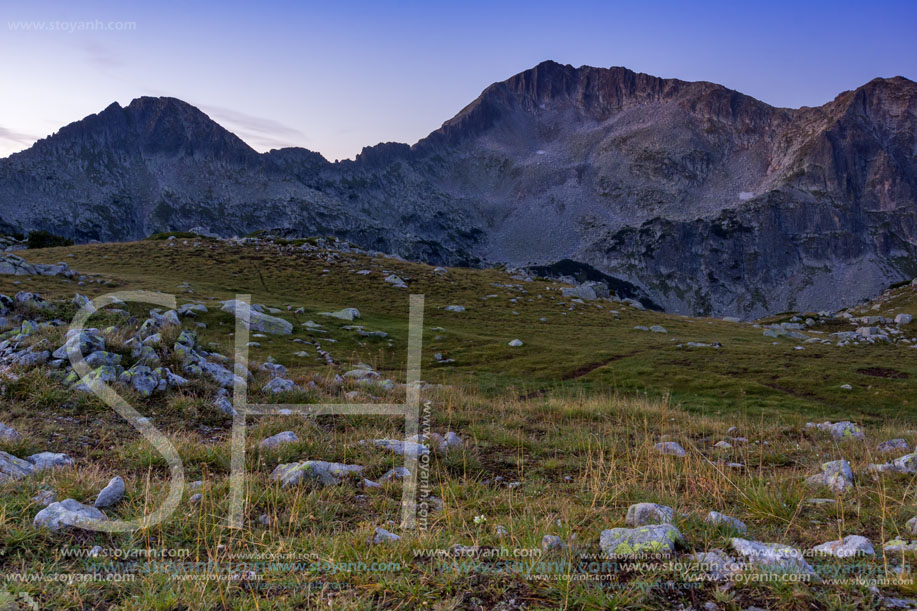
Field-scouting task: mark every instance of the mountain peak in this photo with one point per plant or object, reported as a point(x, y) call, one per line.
point(152, 125)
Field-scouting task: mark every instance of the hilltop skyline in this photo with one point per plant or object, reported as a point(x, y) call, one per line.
point(337, 81)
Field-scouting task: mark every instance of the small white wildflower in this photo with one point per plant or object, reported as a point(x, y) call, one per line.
point(480, 519)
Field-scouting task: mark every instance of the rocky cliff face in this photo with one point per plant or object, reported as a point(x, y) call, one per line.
point(707, 199)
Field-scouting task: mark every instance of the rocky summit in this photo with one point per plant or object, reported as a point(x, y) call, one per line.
point(705, 200)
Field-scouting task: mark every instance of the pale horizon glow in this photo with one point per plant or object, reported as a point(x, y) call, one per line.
point(335, 79)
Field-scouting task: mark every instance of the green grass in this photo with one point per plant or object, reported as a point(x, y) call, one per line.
point(572, 416)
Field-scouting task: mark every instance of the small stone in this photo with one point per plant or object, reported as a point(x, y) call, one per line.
point(651, 539)
point(49, 460)
point(717, 564)
point(396, 473)
point(384, 536)
point(402, 448)
point(641, 514)
point(326, 473)
point(836, 475)
point(772, 555)
point(893, 445)
point(279, 439)
point(196, 498)
point(839, 430)
point(715, 517)
point(552, 542)
point(8, 433)
point(345, 314)
point(278, 385)
point(67, 513)
point(852, 545)
point(111, 494)
point(44, 497)
point(516, 343)
point(671, 448)
point(12, 468)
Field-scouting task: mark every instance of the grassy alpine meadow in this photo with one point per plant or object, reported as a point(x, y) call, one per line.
point(602, 407)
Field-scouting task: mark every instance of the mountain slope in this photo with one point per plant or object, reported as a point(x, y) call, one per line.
point(711, 201)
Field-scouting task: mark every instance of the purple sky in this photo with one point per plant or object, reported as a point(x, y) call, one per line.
point(335, 77)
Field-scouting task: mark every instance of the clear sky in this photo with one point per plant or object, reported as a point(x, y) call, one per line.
point(337, 76)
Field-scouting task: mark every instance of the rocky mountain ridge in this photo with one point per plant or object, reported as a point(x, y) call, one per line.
point(708, 200)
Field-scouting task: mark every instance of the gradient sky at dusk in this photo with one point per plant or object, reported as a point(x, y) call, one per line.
point(337, 76)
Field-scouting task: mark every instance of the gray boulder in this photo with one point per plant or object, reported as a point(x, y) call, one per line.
point(111, 494)
point(775, 556)
point(278, 385)
point(641, 514)
point(12, 468)
point(671, 448)
point(87, 341)
point(67, 513)
point(715, 517)
point(49, 460)
point(326, 473)
point(396, 473)
point(259, 321)
point(852, 545)
point(12, 265)
point(718, 565)
point(383, 536)
point(279, 439)
point(650, 539)
point(402, 448)
point(345, 314)
point(904, 464)
point(893, 445)
point(142, 379)
point(8, 433)
point(552, 542)
point(836, 475)
point(839, 430)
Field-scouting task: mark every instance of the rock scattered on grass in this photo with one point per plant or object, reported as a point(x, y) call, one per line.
point(67, 513)
point(715, 517)
point(775, 556)
point(650, 539)
point(671, 448)
point(110, 494)
point(641, 514)
point(326, 473)
point(279, 439)
point(893, 445)
point(384, 536)
point(849, 546)
point(49, 460)
point(836, 475)
point(839, 430)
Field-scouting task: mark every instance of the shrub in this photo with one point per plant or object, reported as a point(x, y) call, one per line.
point(46, 239)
